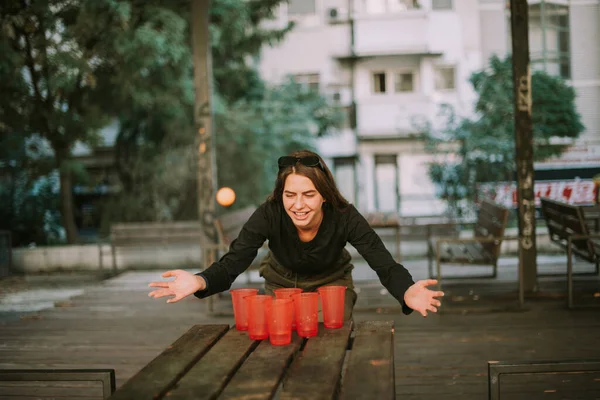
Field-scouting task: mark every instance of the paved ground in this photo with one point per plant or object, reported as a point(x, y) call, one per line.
point(113, 324)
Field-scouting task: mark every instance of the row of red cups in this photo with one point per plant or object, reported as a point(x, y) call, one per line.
point(291, 309)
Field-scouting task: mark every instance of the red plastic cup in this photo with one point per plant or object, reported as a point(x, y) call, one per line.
point(306, 306)
point(258, 316)
point(280, 322)
point(332, 303)
point(287, 293)
point(240, 307)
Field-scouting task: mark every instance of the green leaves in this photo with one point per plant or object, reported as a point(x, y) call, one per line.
point(287, 118)
point(485, 143)
point(69, 68)
point(237, 33)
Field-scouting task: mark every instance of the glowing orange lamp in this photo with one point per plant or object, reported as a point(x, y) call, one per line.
point(225, 196)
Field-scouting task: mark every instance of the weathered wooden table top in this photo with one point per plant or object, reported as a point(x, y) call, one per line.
point(216, 361)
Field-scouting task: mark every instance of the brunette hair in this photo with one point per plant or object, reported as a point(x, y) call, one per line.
point(321, 178)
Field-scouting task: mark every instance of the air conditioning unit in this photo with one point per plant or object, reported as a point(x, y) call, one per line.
point(337, 15)
point(341, 96)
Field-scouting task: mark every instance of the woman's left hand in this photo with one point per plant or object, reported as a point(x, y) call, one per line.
point(421, 299)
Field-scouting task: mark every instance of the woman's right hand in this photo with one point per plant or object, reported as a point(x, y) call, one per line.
point(184, 284)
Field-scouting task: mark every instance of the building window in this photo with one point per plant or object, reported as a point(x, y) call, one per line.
point(345, 177)
point(350, 116)
point(301, 7)
point(549, 38)
point(309, 82)
point(441, 4)
point(379, 82)
point(386, 183)
point(445, 78)
point(404, 82)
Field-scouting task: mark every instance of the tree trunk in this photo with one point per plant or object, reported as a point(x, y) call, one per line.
point(14, 175)
point(519, 18)
point(203, 117)
point(125, 148)
point(66, 200)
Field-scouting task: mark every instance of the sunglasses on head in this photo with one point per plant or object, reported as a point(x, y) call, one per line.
point(307, 161)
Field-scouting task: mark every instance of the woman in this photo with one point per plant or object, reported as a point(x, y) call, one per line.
point(307, 223)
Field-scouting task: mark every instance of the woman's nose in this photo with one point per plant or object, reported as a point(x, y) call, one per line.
point(299, 202)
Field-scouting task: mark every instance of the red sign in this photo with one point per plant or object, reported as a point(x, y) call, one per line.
point(579, 191)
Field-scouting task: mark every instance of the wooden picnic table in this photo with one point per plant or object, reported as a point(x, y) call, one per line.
point(218, 361)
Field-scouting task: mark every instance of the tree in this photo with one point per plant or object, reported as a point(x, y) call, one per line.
point(67, 64)
point(71, 67)
point(263, 121)
point(166, 105)
point(28, 202)
point(253, 134)
point(485, 144)
point(238, 33)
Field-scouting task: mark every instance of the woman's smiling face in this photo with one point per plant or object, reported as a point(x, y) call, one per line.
point(302, 202)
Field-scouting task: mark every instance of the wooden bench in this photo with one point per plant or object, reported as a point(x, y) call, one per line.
point(387, 221)
point(425, 229)
point(482, 249)
point(143, 235)
point(148, 235)
point(57, 383)
point(575, 228)
point(576, 379)
point(215, 361)
point(411, 229)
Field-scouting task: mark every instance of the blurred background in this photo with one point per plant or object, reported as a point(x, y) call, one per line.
point(409, 101)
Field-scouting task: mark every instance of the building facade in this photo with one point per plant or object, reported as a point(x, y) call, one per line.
point(392, 63)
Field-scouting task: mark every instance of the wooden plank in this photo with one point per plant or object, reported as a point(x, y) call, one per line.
point(316, 374)
point(138, 225)
point(260, 375)
point(208, 378)
point(463, 253)
point(428, 231)
point(477, 252)
point(566, 225)
point(551, 385)
point(46, 389)
point(491, 221)
point(55, 383)
point(441, 356)
point(553, 380)
point(230, 224)
point(370, 373)
point(156, 378)
point(564, 220)
point(383, 219)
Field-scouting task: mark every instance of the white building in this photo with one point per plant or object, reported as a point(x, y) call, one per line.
point(391, 63)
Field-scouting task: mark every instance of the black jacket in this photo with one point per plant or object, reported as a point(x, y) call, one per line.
point(317, 257)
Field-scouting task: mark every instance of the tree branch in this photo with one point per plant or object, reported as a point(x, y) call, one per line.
point(30, 62)
point(45, 68)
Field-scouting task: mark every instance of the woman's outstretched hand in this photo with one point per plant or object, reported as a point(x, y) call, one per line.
point(184, 284)
point(421, 299)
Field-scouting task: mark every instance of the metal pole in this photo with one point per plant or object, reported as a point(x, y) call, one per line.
point(519, 18)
